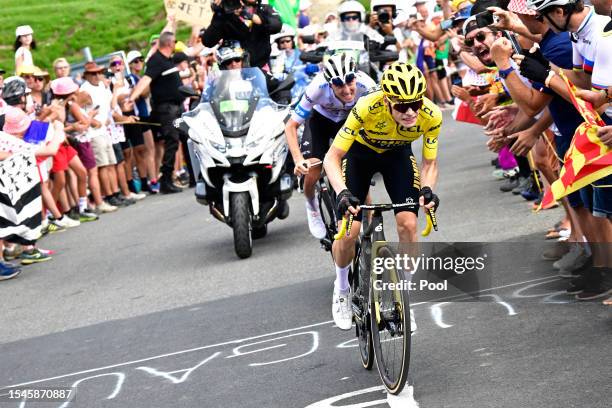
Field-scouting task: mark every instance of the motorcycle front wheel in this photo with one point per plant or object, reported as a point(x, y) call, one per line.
point(241, 223)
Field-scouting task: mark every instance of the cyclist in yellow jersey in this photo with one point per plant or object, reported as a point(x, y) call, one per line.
point(384, 123)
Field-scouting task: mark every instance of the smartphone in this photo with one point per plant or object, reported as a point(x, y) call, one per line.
point(515, 44)
point(485, 19)
point(446, 24)
point(96, 107)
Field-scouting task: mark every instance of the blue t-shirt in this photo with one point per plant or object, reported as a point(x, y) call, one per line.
point(557, 48)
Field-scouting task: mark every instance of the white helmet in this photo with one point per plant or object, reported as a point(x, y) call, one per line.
point(540, 5)
point(351, 6)
point(379, 3)
point(339, 66)
point(286, 31)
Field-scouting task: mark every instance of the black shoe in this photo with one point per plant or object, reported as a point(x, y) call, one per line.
point(283, 210)
point(169, 188)
point(115, 201)
point(523, 184)
point(74, 214)
point(510, 184)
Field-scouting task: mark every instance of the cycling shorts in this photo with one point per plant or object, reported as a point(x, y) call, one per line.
point(319, 132)
point(398, 168)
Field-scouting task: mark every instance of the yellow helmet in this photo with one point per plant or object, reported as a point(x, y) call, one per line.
point(403, 82)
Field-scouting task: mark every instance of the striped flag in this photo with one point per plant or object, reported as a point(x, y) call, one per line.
point(587, 159)
point(20, 200)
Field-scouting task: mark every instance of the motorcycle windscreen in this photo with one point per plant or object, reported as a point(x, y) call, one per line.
point(233, 92)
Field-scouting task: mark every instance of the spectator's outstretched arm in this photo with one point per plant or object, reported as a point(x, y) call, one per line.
point(170, 24)
point(4, 156)
point(140, 88)
point(473, 62)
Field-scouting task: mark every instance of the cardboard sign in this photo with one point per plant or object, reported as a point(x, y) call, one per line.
point(192, 12)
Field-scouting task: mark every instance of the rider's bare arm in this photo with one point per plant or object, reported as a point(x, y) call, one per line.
point(333, 168)
point(294, 146)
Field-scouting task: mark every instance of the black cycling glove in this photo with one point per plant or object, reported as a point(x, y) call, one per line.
point(345, 200)
point(429, 196)
point(534, 66)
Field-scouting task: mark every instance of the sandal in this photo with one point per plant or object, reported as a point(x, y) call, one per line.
point(558, 234)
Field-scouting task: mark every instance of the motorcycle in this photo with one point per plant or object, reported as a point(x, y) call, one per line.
point(238, 150)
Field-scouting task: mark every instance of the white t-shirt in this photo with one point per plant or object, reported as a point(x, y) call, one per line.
point(23, 52)
point(602, 67)
point(100, 96)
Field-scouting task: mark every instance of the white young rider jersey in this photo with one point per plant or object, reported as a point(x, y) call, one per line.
point(320, 96)
point(585, 41)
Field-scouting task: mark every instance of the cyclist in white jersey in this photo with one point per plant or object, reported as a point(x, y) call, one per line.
point(326, 103)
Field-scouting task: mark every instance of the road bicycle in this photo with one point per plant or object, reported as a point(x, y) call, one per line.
point(381, 312)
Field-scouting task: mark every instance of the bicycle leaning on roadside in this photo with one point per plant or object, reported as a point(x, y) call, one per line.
point(381, 308)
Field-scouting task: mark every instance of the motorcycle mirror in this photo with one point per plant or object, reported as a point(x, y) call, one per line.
point(389, 40)
point(286, 84)
point(308, 39)
point(188, 92)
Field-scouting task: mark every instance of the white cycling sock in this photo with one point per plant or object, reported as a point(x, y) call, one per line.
point(341, 283)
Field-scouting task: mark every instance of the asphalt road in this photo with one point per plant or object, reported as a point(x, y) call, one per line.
point(149, 307)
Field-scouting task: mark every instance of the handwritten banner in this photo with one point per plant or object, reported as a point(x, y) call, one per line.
point(192, 12)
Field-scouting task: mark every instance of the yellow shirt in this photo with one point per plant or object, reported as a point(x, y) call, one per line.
point(371, 124)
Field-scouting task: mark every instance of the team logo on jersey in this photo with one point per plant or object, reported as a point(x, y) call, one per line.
point(377, 107)
point(411, 129)
point(359, 119)
point(431, 141)
point(380, 125)
point(427, 110)
point(435, 127)
point(348, 130)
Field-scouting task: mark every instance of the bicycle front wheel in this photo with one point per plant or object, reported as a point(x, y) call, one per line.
point(390, 318)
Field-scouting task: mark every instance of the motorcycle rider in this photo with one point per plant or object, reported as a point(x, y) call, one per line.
point(288, 56)
point(326, 103)
point(352, 24)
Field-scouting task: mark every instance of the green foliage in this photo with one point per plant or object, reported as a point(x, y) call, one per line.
point(63, 27)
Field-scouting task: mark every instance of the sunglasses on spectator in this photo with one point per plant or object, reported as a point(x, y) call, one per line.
point(348, 79)
point(116, 63)
point(350, 17)
point(233, 60)
point(286, 41)
point(480, 37)
point(39, 79)
point(137, 60)
point(402, 107)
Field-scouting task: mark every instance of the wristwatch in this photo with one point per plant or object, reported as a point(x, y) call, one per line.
point(503, 73)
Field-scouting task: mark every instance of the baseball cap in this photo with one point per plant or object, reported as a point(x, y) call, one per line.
point(23, 30)
point(520, 7)
point(132, 55)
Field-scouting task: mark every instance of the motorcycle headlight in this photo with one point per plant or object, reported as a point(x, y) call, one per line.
point(220, 147)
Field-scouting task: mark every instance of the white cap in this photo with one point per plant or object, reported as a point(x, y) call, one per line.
point(23, 30)
point(132, 55)
point(305, 4)
point(208, 51)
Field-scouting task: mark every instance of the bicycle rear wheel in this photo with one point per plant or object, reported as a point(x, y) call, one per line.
point(390, 318)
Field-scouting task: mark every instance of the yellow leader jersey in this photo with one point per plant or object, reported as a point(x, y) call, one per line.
point(371, 124)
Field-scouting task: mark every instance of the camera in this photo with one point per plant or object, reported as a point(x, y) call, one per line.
point(485, 19)
point(384, 17)
point(227, 6)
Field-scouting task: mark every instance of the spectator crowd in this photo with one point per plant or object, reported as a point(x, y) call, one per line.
point(105, 139)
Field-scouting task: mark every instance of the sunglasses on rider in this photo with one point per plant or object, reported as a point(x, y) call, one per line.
point(402, 107)
point(348, 79)
point(350, 17)
point(480, 37)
